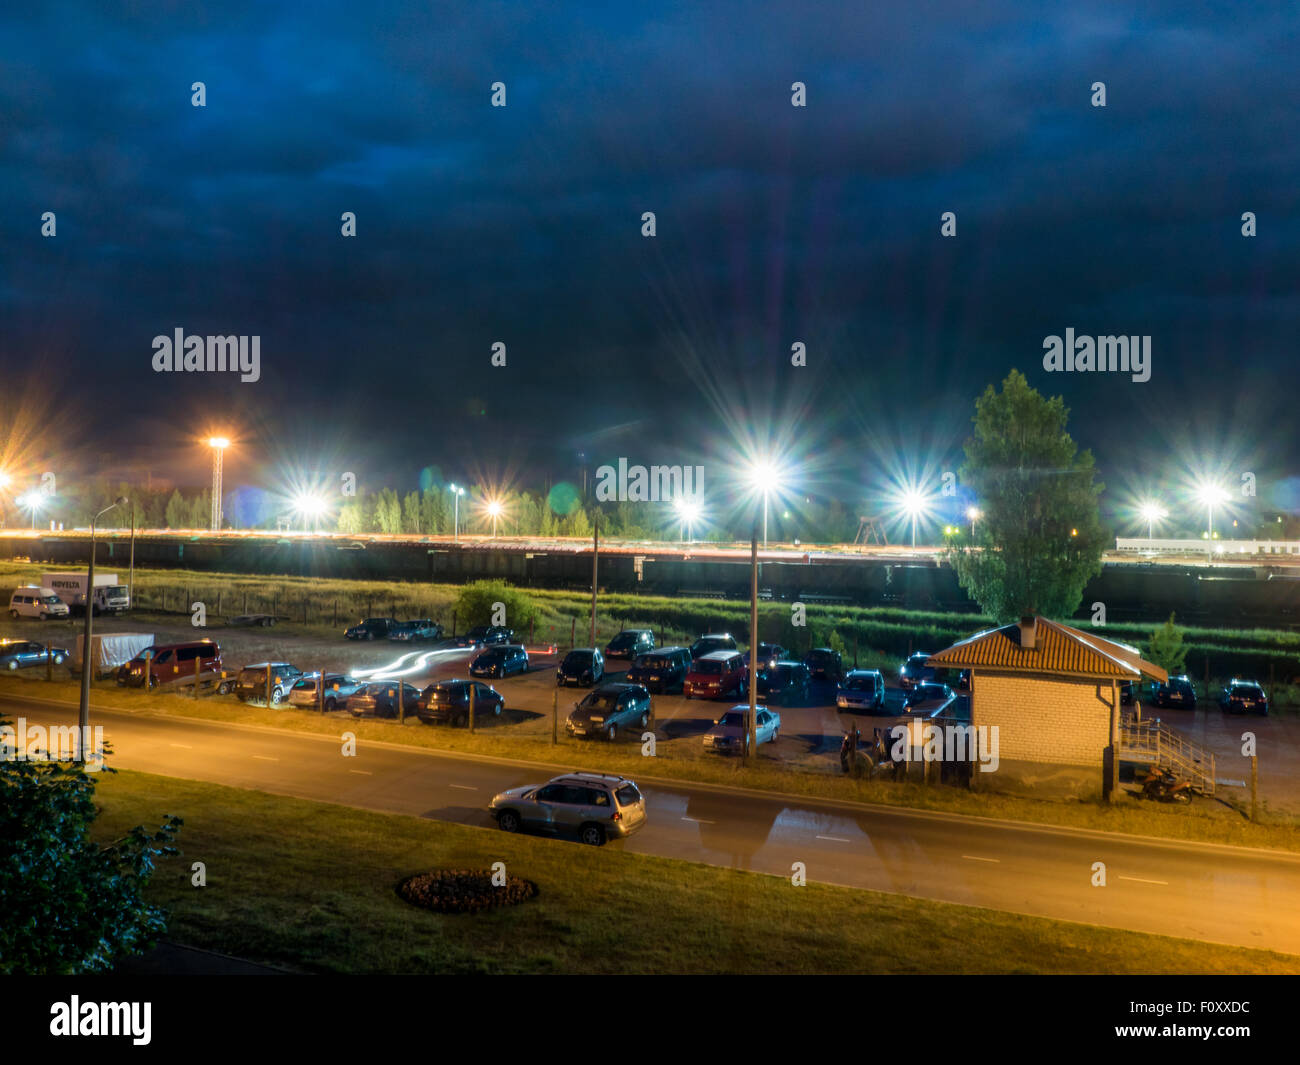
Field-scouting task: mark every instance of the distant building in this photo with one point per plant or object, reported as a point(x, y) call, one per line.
point(1054, 694)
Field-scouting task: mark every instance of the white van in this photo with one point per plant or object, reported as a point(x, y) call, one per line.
point(34, 602)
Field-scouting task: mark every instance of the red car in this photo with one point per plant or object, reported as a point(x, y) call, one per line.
point(716, 675)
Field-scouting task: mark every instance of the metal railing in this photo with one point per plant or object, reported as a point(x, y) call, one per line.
point(1155, 743)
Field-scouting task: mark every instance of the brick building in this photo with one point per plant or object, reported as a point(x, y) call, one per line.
point(1054, 694)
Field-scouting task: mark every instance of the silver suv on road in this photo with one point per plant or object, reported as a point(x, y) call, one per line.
point(593, 807)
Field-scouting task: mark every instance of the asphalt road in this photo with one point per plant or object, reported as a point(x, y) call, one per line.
point(1213, 893)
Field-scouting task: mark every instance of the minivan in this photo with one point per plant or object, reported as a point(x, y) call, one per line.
point(717, 675)
point(660, 670)
point(34, 602)
point(173, 663)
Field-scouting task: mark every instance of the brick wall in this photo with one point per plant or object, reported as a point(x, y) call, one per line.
point(1040, 718)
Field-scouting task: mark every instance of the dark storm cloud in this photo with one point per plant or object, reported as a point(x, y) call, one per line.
point(775, 223)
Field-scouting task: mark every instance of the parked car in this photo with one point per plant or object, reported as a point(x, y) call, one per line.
point(730, 733)
point(769, 654)
point(34, 602)
point(916, 670)
point(500, 660)
point(594, 807)
point(662, 669)
point(712, 642)
point(371, 629)
point(173, 663)
point(1176, 691)
point(861, 689)
point(629, 643)
point(447, 702)
point(1127, 693)
point(338, 686)
point(824, 664)
point(19, 654)
point(251, 682)
point(483, 635)
point(928, 698)
point(379, 699)
point(582, 667)
point(716, 675)
point(609, 708)
point(784, 682)
point(418, 629)
point(1244, 697)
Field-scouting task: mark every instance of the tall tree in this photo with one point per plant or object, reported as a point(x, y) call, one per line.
point(1040, 538)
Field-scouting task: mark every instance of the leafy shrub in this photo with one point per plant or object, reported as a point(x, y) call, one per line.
point(476, 601)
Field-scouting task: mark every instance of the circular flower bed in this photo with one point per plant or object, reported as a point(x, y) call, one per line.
point(463, 890)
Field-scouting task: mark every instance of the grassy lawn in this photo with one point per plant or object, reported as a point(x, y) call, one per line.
point(308, 886)
point(684, 760)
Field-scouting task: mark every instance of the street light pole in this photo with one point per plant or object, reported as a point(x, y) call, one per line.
point(456, 493)
point(218, 445)
point(83, 713)
point(751, 731)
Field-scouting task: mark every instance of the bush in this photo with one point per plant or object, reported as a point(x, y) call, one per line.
point(476, 603)
point(464, 890)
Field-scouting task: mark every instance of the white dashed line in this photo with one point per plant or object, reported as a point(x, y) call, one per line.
point(462, 787)
point(362, 772)
point(836, 839)
point(265, 758)
point(1140, 880)
point(187, 746)
point(977, 858)
point(699, 820)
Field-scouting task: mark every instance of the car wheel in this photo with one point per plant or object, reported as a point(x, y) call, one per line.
point(276, 696)
point(330, 704)
point(497, 707)
point(13, 664)
point(775, 736)
point(508, 821)
point(611, 733)
point(14, 614)
point(645, 718)
point(593, 835)
point(58, 660)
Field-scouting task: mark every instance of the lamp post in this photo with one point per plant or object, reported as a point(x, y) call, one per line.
point(218, 445)
point(5, 481)
point(974, 515)
point(83, 714)
point(456, 493)
point(1151, 513)
point(764, 476)
point(494, 508)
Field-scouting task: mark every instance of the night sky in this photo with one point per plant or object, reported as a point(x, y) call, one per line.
point(522, 224)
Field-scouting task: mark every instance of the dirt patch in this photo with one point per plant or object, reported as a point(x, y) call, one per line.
point(464, 890)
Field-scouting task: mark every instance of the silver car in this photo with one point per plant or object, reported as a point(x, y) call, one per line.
point(730, 732)
point(594, 807)
point(338, 686)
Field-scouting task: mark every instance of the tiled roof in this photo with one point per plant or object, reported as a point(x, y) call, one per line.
point(1057, 649)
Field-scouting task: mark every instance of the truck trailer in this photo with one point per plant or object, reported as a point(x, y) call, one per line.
point(110, 596)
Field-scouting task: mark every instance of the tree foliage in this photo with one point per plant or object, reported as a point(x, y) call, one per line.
point(70, 905)
point(1166, 649)
point(1039, 538)
point(476, 601)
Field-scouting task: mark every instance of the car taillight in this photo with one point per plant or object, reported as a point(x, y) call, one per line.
point(618, 816)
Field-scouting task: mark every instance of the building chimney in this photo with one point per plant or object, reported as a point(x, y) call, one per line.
point(1028, 631)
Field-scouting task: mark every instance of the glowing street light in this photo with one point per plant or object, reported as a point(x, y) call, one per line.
point(218, 445)
point(764, 476)
point(311, 506)
point(456, 492)
point(914, 504)
point(33, 501)
point(688, 513)
point(494, 508)
point(1209, 494)
point(83, 713)
point(1152, 512)
point(973, 514)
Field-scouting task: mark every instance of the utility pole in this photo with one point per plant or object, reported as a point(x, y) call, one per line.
point(595, 571)
point(83, 712)
point(751, 738)
point(130, 584)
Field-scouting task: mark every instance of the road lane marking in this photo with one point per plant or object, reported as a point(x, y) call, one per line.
point(1140, 880)
point(977, 858)
point(699, 820)
point(362, 772)
point(836, 839)
point(265, 758)
point(187, 746)
point(463, 787)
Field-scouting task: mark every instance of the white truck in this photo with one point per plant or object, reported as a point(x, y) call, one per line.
point(110, 650)
point(110, 596)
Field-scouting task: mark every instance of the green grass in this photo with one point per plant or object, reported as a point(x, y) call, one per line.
point(310, 887)
point(1206, 820)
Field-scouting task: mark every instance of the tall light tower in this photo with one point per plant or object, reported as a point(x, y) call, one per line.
point(218, 445)
point(1151, 513)
point(765, 477)
point(494, 508)
point(456, 493)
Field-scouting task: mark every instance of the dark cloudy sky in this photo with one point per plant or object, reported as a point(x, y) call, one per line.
point(775, 224)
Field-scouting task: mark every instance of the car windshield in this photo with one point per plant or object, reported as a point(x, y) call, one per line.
point(623, 639)
point(577, 659)
point(733, 719)
point(708, 667)
point(600, 701)
point(859, 683)
point(930, 691)
point(782, 673)
point(50, 599)
point(1252, 690)
point(627, 794)
point(650, 662)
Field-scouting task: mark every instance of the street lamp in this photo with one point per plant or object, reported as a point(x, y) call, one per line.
point(311, 507)
point(456, 493)
point(1209, 494)
point(218, 445)
point(764, 476)
point(87, 660)
point(688, 512)
point(973, 515)
point(914, 505)
point(33, 501)
point(494, 509)
point(1152, 512)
